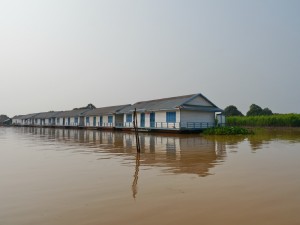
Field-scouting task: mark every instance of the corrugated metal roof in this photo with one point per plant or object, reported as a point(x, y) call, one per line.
point(72, 113)
point(105, 110)
point(17, 116)
point(28, 116)
point(47, 115)
point(158, 104)
point(3, 118)
point(203, 108)
point(170, 104)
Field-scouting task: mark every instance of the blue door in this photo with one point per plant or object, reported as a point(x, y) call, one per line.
point(94, 121)
point(101, 121)
point(142, 119)
point(69, 121)
point(152, 119)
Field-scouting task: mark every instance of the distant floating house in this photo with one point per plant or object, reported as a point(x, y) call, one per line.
point(28, 120)
point(71, 118)
point(45, 118)
point(182, 113)
point(105, 117)
point(5, 120)
point(16, 120)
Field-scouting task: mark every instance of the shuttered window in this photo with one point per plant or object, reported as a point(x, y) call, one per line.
point(110, 119)
point(171, 117)
point(87, 119)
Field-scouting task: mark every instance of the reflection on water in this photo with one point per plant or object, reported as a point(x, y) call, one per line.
point(262, 137)
point(136, 175)
point(190, 154)
point(63, 176)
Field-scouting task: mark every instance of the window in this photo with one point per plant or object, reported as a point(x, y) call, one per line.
point(110, 119)
point(76, 120)
point(128, 118)
point(87, 120)
point(57, 120)
point(171, 117)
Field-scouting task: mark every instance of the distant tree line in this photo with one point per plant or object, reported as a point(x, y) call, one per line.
point(259, 117)
point(254, 110)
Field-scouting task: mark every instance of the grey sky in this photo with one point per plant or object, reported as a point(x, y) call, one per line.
point(61, 54)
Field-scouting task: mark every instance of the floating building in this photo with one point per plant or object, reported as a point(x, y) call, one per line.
point(186, 113)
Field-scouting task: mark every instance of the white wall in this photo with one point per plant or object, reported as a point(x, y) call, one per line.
point(104, 121)
point(72, 121)
point(197, 116)
point(16, 121)
point(60, 123)
point(37, 122)
point(160, 120)
point(91, 123)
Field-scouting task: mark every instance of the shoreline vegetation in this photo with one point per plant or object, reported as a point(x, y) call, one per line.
point(275, 120)
point(259, 117)
point(245, 125)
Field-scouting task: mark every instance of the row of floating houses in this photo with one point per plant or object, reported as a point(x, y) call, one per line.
point(180, 114)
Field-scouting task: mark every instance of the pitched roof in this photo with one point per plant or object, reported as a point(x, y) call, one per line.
point(72, 113)
point(17, 117)
point(46, 115)
point(171, 104)
point(3, 118)
point(28, 116)
point(105, 110)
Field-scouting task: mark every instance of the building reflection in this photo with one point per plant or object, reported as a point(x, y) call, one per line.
point(175, 153)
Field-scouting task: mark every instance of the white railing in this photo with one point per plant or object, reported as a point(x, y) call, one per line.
point(165, 125)
point(152, 125)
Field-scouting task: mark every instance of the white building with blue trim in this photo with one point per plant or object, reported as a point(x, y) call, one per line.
point(105, 117)
point(188, 112)
point(182, 113)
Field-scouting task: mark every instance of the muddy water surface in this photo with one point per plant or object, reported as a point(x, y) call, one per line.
point(55, 176)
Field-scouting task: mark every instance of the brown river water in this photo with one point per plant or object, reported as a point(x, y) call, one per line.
point(85, 177)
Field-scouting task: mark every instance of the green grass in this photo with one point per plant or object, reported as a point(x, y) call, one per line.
point(277, 120)
point(228, 130)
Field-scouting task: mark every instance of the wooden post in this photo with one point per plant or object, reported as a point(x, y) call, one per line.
point(138, 147)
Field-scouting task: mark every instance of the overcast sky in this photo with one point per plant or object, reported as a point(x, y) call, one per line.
point(62, 54)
